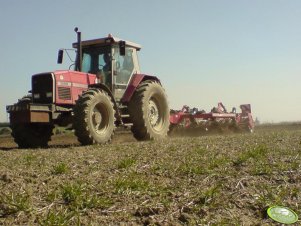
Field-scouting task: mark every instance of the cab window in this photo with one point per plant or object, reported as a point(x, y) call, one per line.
point(124, 65)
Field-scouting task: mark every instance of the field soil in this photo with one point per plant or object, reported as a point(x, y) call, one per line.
point(220, 179)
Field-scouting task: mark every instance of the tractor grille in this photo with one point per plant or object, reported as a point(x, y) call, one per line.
point(42, 88)
point(64, 93)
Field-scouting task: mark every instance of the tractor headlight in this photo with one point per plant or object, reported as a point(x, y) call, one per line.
point(49, 94)
point(36, 96)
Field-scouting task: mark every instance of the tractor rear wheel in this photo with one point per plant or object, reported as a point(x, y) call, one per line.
point(94, 117)
point(31, 135)
point(149, 112)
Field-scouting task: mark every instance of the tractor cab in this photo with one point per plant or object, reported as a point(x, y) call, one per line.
point(111, 59)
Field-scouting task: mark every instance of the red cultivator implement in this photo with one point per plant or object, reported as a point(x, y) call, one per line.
point(193, 120)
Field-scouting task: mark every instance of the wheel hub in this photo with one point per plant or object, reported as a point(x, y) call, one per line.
point(97, 119)
point(153, 113)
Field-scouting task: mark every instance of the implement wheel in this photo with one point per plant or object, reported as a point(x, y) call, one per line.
point(149, 112)
point(94, 120)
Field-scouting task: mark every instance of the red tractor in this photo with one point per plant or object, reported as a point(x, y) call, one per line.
point(105, 90)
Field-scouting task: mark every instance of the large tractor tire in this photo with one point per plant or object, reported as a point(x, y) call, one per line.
point(31, 135)
point(149, 112)
point(94, 117)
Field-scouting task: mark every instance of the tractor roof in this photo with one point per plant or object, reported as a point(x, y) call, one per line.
point(107, 40)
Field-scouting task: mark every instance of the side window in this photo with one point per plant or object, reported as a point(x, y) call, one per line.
point(101, 61)
point(128, 63)
point(118, 59)
point(124, 65)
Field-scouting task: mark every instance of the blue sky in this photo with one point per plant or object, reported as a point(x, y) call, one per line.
point(234, 51)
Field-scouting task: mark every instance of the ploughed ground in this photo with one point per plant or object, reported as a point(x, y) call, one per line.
point(220, 179)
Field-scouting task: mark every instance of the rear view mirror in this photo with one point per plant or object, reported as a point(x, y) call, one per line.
point(60, 56)
point(122, 48)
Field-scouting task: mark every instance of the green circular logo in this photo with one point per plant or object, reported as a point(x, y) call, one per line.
point(282, 215)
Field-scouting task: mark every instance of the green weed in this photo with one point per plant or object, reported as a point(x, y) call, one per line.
point(199, 151)
point(131, 183)
point(188, 168)
point(210, 197)
point(233, 221)
point(218, 162)
point(126, 163)
point(51, 196)
point(255, 154)
point(94, 201)
point(173, 148)
point(79, 197)
point(12, 203)
point(29, 159)
point(71, 193)
point(57, 217)
point(270, 195)
point(60, 168)
point(261, 168)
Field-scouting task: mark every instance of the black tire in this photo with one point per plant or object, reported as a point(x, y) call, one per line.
point(94, 117)
point(31, 135)
point(149, 112)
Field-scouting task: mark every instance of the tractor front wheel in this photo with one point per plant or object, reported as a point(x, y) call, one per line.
point(32, 135)
point(149, 112)
point(94, 120)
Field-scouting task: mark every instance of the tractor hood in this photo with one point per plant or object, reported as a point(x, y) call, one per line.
point(60, 87)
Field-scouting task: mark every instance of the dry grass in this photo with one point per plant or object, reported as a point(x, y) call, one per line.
point(208, 180)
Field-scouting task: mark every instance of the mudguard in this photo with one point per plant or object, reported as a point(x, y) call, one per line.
point(134, 83)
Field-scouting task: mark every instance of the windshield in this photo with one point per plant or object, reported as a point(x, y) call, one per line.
point(96, 59)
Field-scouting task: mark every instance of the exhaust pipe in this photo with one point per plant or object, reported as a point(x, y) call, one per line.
point(79, 50)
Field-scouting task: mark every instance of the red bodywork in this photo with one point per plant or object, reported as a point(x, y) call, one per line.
point(134, 83)
point(75, 81)
point(186, 117)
